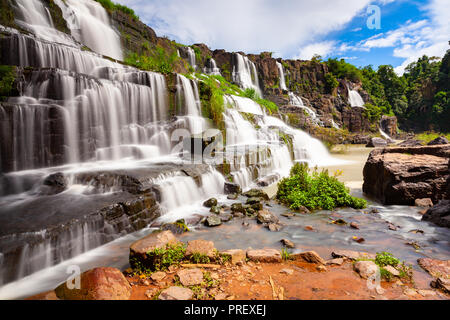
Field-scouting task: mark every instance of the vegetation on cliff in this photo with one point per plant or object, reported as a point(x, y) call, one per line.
point(315, 190)
point(111, 6)
point(7, 78)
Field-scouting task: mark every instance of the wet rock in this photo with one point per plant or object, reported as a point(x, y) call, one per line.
point(374, 210)
point(376, 143)
point(176, 293)
point(232, 188)
point(215, 210)
point(417, 231)
point(97, 284)
point(354, 225)
point(253, 200)
point(257, 206)
point(303, 210)
point(54, 184)
point(238, 207)
point(337, 261)
point(155, 240)
point(359, 239)
point(351, 255)
point(158, 276)
point(424, 203)
point(441, 283)
point(264, 255)
point(340, 222)
point(399, 176)
point(210, 203)
point(268, 180)
point(236, 255)
point(274, 227)
point(178, 227)
point(309, 256)
point(266, 217)
point(392, 227)
point(309, 228)
point(233, 196)
point(202, 247)
point(190, 277)
point(439, 214)
point(225, 217)
point(287, 243)
point(256, 193)
point(213, 221)
point(437, 268)
point(410, 143)
point(194, 220)
point(392, 270)
point(365, 269)
point(438, 141)
point(288, 214)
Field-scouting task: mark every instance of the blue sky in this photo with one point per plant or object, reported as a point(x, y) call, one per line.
point(298, 29)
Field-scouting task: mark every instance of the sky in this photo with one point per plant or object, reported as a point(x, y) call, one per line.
point(363, 32)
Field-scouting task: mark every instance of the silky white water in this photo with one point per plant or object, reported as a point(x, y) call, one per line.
point(245, 73)
point(282, 76)
point(355, 99)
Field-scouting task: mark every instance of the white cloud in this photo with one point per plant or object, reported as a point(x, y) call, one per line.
point(282, 26)
point(323, 49)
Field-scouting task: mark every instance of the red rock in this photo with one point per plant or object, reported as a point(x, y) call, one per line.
point(98, 284)
point(202, 247)
point(264, 255)
point(309, 256)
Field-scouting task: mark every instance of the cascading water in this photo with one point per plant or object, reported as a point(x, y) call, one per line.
point(355, 99)
point(212, 68)
point(191, 57)
point(282, 76)
point(187, 95)
point(89, 23)
point(245, 73)
point(297, 101)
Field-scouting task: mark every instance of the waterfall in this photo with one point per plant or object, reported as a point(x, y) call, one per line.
point(282, 76)
point(212, 68)
point(122, 118)
point(191, 57)
point(89, 23)
point(32, 15)
point(297, 101)
point(187, 94)
point(245, 73)
point(355, 99)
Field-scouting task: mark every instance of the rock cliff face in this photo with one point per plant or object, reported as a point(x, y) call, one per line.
point(398, 176)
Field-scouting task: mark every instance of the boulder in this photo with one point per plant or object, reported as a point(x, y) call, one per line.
point(399, 176)
point(253, 200)
point(155, 240)
point(266, 217)
point(287, 243)
point(424, 203)
point(54, 184)
point(351, 255)
point(376, 143)
point(337, 261)
point(438, 141)
point(392, 270)
point(256, 193)
point(236, 255)
point(439, 214)
point(274, 227)
point(232, 188)
point(97, 284)
point(442, 283)
point(213, 221)
point(237, 207)
point(210, 203)
point(264, 255)
point(176, 293)
point(190, 277)
point(158, 276)
point(178, 227)
point(410, 143)
point(309, 256)
point(437, 268)
point(365, 269)
point(202, 247)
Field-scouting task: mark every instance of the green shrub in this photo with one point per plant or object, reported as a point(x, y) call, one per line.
point(317, 190)
point(386, 259)
point(111, 6)
point(252, 94)
point(7, 78)
point(158, 60)
point(163, 258)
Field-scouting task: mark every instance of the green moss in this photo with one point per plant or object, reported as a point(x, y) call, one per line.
point(6, 14)
point(157, 59)
point(163, 258)
point(7, 78)
point(111, 6)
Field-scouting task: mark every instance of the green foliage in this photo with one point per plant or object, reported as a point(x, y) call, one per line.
point(383, 259)
point(111, 6)
point(252, 94)
point(158, 60)
point(163, 258)
point(285, 255)
point(430, 136)
point(7, 78)
point(330, 82)
point(200, 258)
point(343, 70)
point(317, 190)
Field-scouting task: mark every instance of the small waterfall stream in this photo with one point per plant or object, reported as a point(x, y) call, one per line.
point(245, 73)
point(282, 76)
point(355, 99)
